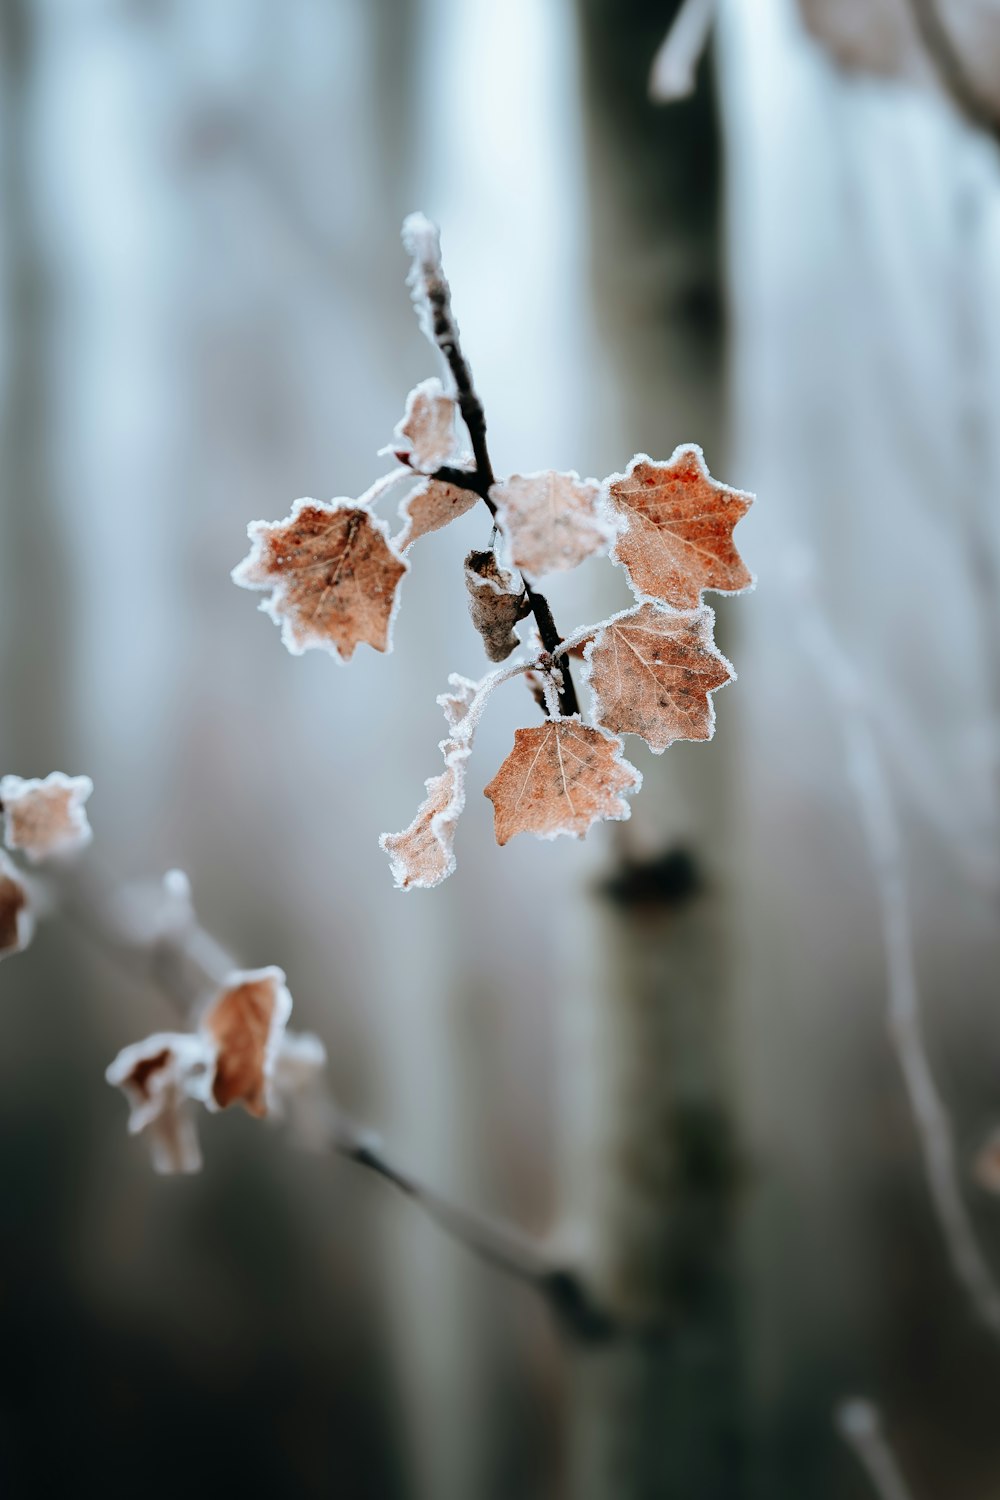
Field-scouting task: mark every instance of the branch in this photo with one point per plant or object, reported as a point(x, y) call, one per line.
point(950, 67)
point(432, 298)
point(860, 1425)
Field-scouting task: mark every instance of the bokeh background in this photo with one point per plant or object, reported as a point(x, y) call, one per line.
point(664, 1050)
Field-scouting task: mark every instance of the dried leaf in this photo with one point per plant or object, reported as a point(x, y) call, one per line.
point(424, 853)
point(678, 535)
point(46, 818)
point(333, 575)
point(245, 1024)
point(426, 432)
point(652, 671)
point(560, 777)
point(17, 920)
point(159, 1077)
point(496, 603)
point(430, 506)
point(552, 521)
point(456, 703)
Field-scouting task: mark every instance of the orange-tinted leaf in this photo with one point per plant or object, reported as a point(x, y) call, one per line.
point(426, 432)
point(496, 603)
point(17, 921)
point(159, 1077)
point(678, 535)
point(552, 521)
point(244, 1024)
point(560, 777)
point(652, 671)
point(431, 505)
point(332, 573)
point(46, 818)
point(424, 853)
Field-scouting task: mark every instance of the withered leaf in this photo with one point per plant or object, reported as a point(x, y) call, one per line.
point(552, 521)
point(245, 1023)
point(17, 921)
point(333, 576)
point(652, 672)
point(46, 818)
point(560, 777)
point(496, 603)
point(456, 701)
point(159, 1077)
point(678, 534)
point(426, 432)
point(424, 853)
point(430, 506)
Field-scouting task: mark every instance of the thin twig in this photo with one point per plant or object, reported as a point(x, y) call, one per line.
point(430, 285)
point(875, 806)
point(860, 1425)
point(950, 67)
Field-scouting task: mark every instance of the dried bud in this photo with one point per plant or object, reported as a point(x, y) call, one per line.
point(496, 603)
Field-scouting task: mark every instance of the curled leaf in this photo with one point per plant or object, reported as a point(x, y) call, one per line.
point(496, 603)
point(652, 672)
point(300, 1096)
point(46, 818)
point(244, 1025)
point(426, 432)
point(457, 701)
point(332, 573)
point(678, 529)
point(561, 777)
point(424, 853)
point(430, 506)
point(553, 521)
point(17, 919)
point(159, 1077)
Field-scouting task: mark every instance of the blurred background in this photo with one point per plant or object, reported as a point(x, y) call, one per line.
point(664, 1050)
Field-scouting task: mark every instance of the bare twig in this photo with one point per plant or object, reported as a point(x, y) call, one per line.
point(432, 295)
point(875, 806)
point(675, 66)
point(860, 1425)
point(950, 67)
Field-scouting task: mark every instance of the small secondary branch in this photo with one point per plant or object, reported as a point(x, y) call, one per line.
point(429, 283)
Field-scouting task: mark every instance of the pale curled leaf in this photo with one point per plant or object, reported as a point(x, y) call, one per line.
point(159, 1077)
point(424, 853)
point(561, 777)
point(46, 818)
point(245, 1024)
point(426, 431)
point(332, 573)
point(17, 918)
point(552, 521)
point(652, 672)
point(429, 507)
point(496, 603)
point(678, 529)
point(457, 701)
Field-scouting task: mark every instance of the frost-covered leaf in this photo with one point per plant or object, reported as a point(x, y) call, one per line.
point(430, 506)
point(552, 521)
point(333, 576)
point(678, 533)
point(560, 777)
point(675, 66)
point(496, 603)
point(457, 700)
point(426, 432)
point(17, 920)
point(46, 817)
point(244, 1024)
point(424, 853)
point(652, 672)
point(159, 1077)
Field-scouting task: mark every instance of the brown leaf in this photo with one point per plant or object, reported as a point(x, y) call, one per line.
point(678, 537)
point(46, 818)
point(159, 1077)
point(16, 917)
point(560, 777)
point(496, 603)
point(431, 505)
point(652, 671)
point(245, 1023)
point(552, 521)
point(424, 853)
point(333, 575)
point(426, 432)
